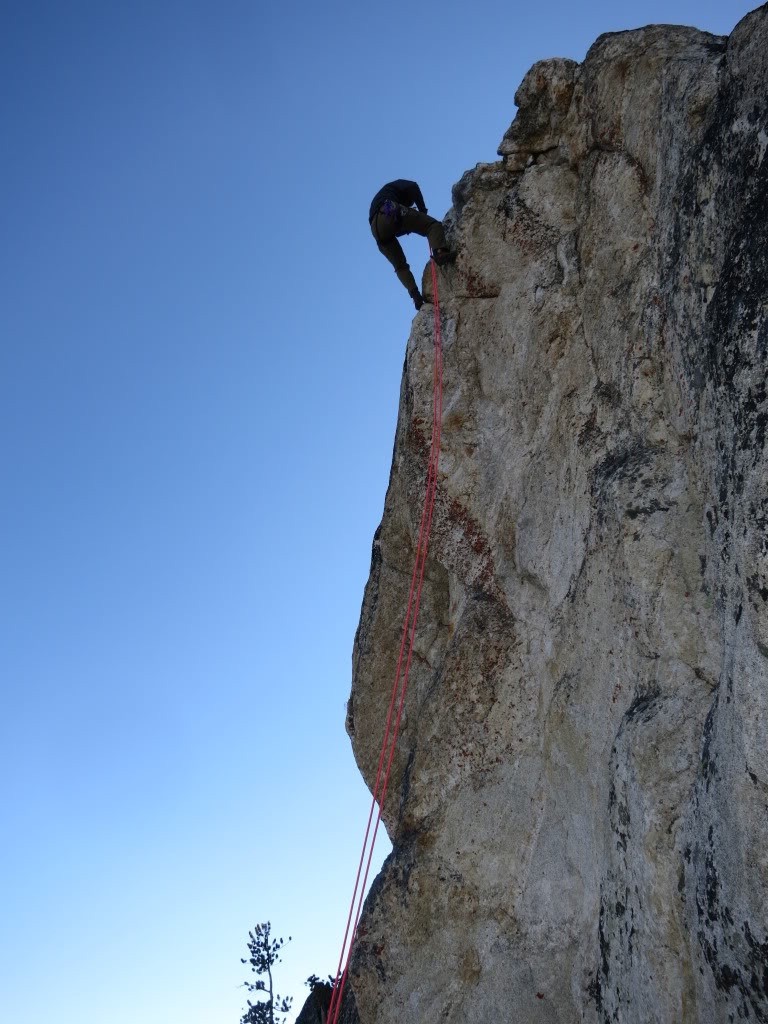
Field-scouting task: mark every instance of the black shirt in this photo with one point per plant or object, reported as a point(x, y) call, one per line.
point(401, 191)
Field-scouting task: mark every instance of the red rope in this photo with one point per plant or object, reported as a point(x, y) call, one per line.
point(402, 670)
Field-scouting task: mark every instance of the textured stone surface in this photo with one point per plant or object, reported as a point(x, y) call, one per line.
point(579, 801)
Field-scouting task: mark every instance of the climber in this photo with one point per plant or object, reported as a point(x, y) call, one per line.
point(391, 216)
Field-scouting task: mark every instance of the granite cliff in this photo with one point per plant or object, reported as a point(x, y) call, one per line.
point(579, 801)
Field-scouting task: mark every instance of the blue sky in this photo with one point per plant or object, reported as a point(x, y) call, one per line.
point(200, 357)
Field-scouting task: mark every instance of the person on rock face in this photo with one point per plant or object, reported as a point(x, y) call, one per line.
point(391, 216)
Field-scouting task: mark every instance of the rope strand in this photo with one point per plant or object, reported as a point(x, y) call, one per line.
point(402, 669)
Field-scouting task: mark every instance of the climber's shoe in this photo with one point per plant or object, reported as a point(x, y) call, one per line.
point(417, 299)
point(443, 256)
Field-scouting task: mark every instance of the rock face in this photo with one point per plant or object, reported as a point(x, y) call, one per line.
point(579, 800)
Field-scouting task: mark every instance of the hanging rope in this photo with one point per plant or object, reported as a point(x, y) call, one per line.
point(402, 670)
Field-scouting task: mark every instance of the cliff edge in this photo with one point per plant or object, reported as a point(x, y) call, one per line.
point(579, 799)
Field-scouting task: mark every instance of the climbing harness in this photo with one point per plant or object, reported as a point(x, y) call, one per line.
point(393, 215)
point(405, 656)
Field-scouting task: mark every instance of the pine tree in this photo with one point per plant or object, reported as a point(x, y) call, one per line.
point(264, 954)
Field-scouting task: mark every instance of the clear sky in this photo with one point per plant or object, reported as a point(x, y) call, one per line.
point(200, 357)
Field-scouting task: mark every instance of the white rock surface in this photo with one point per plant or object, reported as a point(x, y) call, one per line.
point(579, 801)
